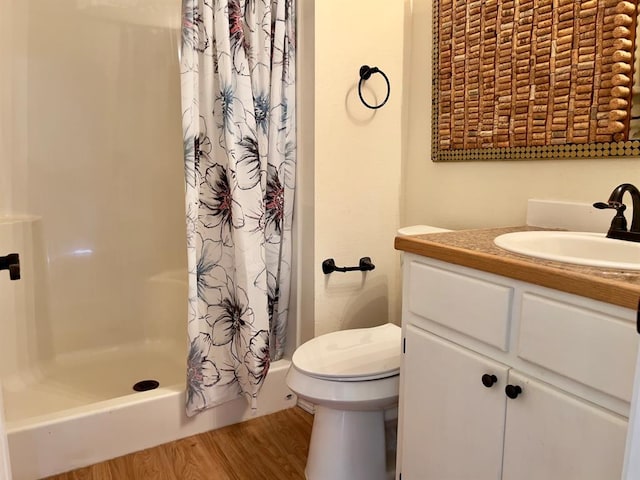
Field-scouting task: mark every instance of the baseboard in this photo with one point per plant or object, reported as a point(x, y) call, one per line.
point(307, 406)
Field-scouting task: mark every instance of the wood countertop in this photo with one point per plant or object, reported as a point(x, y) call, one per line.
point(475, 249)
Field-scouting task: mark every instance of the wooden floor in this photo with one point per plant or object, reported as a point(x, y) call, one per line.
point(273, 447)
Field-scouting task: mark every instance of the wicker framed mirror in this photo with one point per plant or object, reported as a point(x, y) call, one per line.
point(535, 79)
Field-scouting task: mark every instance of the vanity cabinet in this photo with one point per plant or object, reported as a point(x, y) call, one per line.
point(571, 357)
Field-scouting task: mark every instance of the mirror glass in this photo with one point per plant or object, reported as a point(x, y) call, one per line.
point(535, 79)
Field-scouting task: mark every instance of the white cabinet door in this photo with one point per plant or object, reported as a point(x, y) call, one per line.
point(454, 425)
point(552, 435)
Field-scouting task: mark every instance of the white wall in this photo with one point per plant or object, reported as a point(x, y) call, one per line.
point(484, 194)
point(13, 94)
point(303, 296)
point(357, 158)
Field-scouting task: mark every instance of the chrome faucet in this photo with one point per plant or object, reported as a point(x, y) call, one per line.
point(618, 228)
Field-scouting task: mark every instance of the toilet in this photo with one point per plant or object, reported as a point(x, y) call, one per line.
point(352, 377)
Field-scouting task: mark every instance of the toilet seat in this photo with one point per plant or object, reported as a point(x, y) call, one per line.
point(351, 355)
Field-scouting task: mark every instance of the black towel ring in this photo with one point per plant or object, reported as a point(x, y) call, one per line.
point(365, 73)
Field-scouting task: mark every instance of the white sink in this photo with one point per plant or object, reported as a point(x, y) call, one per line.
point(581, 248)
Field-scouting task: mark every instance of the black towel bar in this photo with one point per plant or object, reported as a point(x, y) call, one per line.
point(329, 266)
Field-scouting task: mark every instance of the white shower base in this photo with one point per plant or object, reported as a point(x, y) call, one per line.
point(81, 409)
point(83, 378)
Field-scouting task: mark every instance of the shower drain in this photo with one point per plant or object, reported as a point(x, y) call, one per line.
point(144, 385)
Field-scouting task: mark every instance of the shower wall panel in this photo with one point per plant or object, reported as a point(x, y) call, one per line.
point(93, 90)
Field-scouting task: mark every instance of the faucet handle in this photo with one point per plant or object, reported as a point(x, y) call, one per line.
point(617, 205)
point(619, 222)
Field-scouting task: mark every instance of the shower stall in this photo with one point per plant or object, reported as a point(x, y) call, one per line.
point(92, 199)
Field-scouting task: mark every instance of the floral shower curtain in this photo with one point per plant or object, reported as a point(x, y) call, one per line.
point(238, 102)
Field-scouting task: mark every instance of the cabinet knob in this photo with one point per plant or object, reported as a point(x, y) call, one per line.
point(512, 391)
point(489, 380)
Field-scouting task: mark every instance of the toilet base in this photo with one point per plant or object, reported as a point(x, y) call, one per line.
point(347, 445)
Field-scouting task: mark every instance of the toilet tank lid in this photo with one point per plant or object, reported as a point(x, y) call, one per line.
point(361, 352)
point(420, 230)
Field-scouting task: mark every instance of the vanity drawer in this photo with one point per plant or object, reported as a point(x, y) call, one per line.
point(468, 304)
point(586, 345)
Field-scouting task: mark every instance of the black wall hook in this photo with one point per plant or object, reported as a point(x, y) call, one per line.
point(329, 266)
point(365, 74)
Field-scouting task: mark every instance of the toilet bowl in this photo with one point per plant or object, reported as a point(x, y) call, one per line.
point(351, 376)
